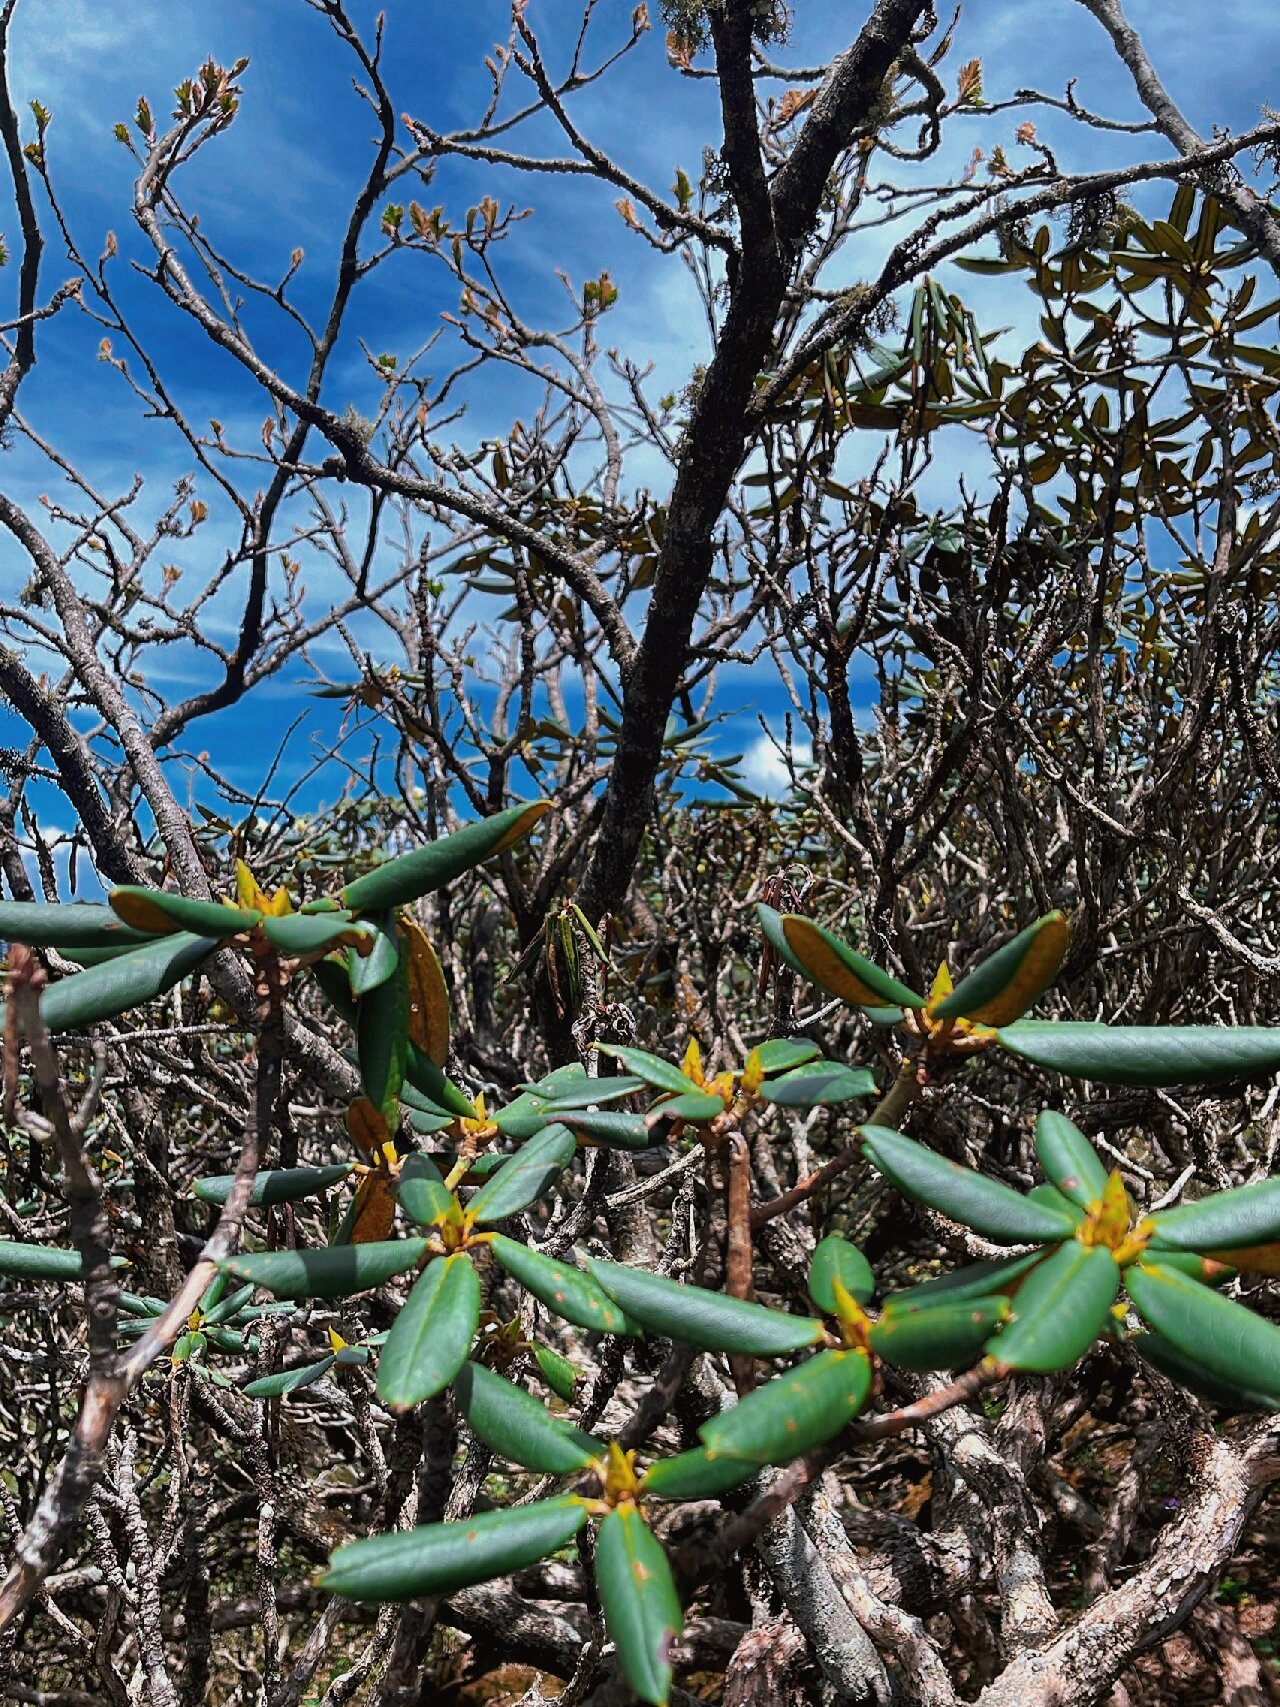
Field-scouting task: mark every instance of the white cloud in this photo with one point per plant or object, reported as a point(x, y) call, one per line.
point(764, 766)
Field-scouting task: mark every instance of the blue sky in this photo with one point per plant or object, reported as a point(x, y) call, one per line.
point(284, 174)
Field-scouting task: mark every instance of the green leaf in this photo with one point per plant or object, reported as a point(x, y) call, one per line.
point(694, 1106)
point(1051, 1198)
point(382, 1039)
point(960, 1193)
point(817, 1085)
point(831, 964)
point(332, 1271)
point(229, 1307)
point(428, 869)
point(441, 1557)
point(422, 1192)
point(639, 1600)
point(274, 1185)
point(288, 1380)
point(581, 1093)
point(432, 1335)
point(158, 911)
point(524, 1177)
point(1147, 1055)
point(1229, 1343)
point(559, 1374)
point(793, 1413)
point(781, 1054)
point(1249, 1215)
point(836, 1259)
point(563, 1289)
point(695, 1475)
point(75, 925)
point(618, 1131)
point(299, 934)
point(1060, 1309)
point(999, 1278)
point(709, 1321)
point(126, 981)
point(1069, 1159)
point(519, 1427)
point(44, 1262)
point(426, 1077)
point(367, 972)
point(1187, 1372)
point(652, 1069)
point(944, 1336)
point(1012, 979)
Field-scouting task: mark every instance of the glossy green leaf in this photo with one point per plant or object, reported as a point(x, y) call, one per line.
point(1188, 1372)
point(382, 1039)
point(524, 1177)
point(274, 1185)
point(781, 1054)
point(1227, 1341)
point(422, 1192)
point(793, 1413)
point(585, 1093)
point(159, 911)
point(696, 1475)
point(943, 1336)
point(617, 1131)
point(441, 1557)
point(69, 926)
point(1051, 1198)
point(710, 1321)
point(225, 1309)
point(559, 1374)
point(432, 1335)
point(831, 964)
point(1068, 1158)
point(426, 1077)
point(299, 934)
point(817, 1085)
point(565, 1290)
point(652, 1069)
point(1147, 1055)
point(1012, 979)
point(368, 972)
point(1249, 1215)
point(694, 1106)
point(639, 1600)
point(130, 1302)
point(288, 1380)
point(126, 981)
point(520, 1427)
point(997, 1278)
point(427, 869)
point(960, 1193)
point(331, 1271)
point(836, 1259)
point(1060, 1309)
point(44, 1262)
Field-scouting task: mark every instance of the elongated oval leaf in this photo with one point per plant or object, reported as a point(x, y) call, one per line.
point(427, 869)
point(520, 1427)
point(368, 972)
point(652, 1069)
point(331, 1271)
point(639, 1600)
point(563, 1289)
point(1051, 1198)
point(288, 1380)
point(1012, 979)
point(1188, 1372)
point(524, 1177)
point(994, 1279)
point(831, 964)
point(818, 1084)
point(1249, 1215)
point(781, 1054)
point(44, 1262)
point(432, 1335)
point(159, 912)
point(694, 1106)
point(228, 1307)
point(793, 1413)
point(73, 925)
point(584, 1093)
point(618, 1131)
point(836, 1259)
point(126, 981)
point(441, 1557)
point(559, 1374)
point(429, 1020)
point(709, 1321)
point(382, 1039)
point(1228, 1342)
point(695, 1475)
point(1147, 1055)
point(422, 1192)
point(1068, 1158)
point(1060, 1310)
point(298, 934)
point(946, 1336)
point(960, 1193)
point(426, 1077)
point(274, 1185)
